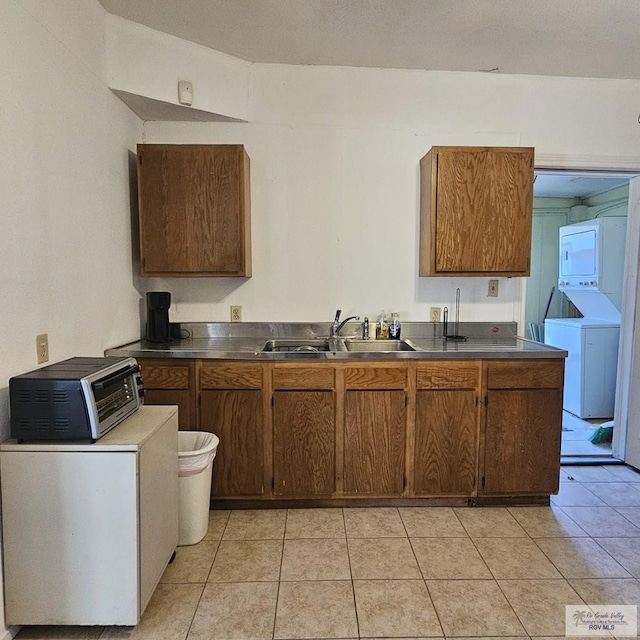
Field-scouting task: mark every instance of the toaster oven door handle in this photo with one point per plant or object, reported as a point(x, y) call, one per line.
point(116, 377)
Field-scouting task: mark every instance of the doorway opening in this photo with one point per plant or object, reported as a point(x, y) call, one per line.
point(561, 198)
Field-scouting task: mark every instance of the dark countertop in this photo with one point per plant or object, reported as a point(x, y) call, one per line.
point(226, 341)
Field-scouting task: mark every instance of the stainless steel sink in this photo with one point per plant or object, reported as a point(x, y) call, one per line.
point(297, 345)
point(355, 344)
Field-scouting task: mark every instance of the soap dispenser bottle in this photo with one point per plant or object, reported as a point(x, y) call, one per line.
point(382, 331)
point(394, 327)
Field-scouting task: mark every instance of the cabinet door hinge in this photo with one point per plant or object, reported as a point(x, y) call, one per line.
point(406, 398)
point(483, 482)
point(272, 401)
point(486, 401)
point(273, 484)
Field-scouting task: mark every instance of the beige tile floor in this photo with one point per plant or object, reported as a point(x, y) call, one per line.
point(575, 437)
point(416, 572)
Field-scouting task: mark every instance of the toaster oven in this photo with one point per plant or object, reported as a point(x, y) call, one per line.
point(76, 399)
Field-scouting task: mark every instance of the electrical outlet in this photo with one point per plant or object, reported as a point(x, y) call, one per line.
point(236, 313)
point(493, 289)
point(434, 314)
point(42, 347)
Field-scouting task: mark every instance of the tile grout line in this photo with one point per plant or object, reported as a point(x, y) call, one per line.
point(455, 515)
point(275, 610)
point(504, 595)
point(353, 586)
point(204, 586)
point(215, 555)
point(567, 578)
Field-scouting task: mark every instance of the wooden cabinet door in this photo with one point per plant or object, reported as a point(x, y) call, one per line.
point(374, 442)
point(476, 211)
point(194, 210)
point(169, 382)
point(235, 416)
point(446, 455)
point(523, 427)
point(522, 441)
point(303, 443)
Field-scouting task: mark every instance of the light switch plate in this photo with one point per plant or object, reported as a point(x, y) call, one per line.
point(42, 347)
point(493, 289)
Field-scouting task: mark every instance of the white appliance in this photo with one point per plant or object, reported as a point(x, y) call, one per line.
point(592, 266)
point(88, 529)
point(590, 368)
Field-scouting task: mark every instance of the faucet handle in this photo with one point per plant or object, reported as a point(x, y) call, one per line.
point(337, 318)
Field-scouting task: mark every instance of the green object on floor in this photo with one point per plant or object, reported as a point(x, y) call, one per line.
point(603, 434)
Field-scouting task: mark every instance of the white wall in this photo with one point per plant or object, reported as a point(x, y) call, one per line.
point(335, 199)
point(65, 240)
point(149, 63)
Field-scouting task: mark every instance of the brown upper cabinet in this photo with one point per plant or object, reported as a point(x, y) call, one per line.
point(476, 211)
point(194, 210)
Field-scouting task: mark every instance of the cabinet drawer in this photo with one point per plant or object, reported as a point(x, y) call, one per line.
point(454, 375)
point(529, 374)
point(303, 378)
point(231, 376)
point(158, 376)
point(375, 378)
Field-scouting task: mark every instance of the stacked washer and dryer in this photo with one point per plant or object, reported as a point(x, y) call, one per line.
point(591, 275)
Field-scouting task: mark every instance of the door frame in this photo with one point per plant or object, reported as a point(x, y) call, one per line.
point(628, 372)
point(629, 351)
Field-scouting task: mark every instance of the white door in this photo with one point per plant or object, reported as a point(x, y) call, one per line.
point(626, 442)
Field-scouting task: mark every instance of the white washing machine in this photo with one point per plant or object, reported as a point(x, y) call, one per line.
point(591, 367)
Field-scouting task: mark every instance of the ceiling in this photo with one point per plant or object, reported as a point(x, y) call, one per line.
point(584, 38)
point(568, 184)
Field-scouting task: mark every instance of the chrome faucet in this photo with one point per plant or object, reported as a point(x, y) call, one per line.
point(336, 325)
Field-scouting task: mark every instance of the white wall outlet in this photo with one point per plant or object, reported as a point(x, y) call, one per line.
point(493, 289)
point(434, 314)
point(236, 313)
point(42, 347)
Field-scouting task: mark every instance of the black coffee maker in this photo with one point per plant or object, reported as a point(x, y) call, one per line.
point(158, 303)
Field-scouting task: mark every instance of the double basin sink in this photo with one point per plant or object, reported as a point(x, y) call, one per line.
point(322, 345)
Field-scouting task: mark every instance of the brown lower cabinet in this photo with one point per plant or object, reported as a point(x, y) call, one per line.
point(374, 443)
point(523, 427)
point(304, 430)
point(447, 428)
point(446, 442)
point(232, 407)
point(235, 416)
point(450, 429)
point(171, 382)
point(375, 417)
point(304, 443)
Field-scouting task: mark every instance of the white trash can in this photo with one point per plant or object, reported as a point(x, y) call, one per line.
point(196, 451)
